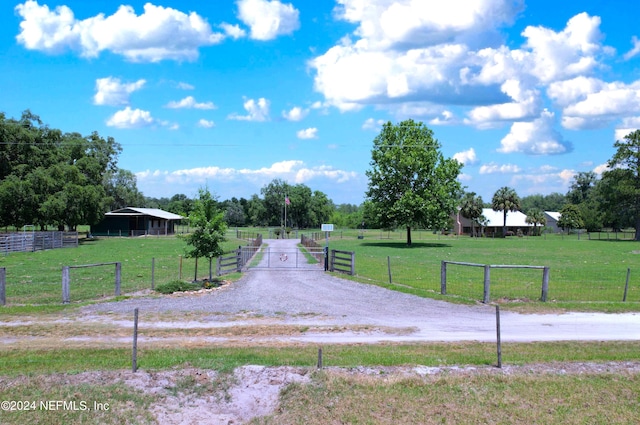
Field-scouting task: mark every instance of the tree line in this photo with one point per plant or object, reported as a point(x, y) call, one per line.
point(51, 178)
point(592, 203)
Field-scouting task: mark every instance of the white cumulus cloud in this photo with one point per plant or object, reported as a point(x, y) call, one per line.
point(130, 118)
point(268, 19)
point(493, 168)
point(467, 157)
point(295, 114)
point(308, 133)
point(189, 102)
point(206, 123)
point(111, 91)
point(537, 137)
point(159, 33)
point(256, 111)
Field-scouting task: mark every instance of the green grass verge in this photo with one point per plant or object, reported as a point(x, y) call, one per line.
point(33, 362)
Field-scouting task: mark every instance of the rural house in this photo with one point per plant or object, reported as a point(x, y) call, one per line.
point(516, 220)
point(132, 221)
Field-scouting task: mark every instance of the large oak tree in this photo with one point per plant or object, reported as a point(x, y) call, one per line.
point(410, 182)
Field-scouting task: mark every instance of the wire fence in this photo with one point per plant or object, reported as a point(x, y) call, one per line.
point(571, 283)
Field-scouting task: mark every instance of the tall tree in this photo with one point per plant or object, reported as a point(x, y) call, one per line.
point(582, 185)
point(570, 218)
point(535, 217)
point(209, 229)
point(505, 199)
point(471, 208)
point(410, 182)
point(627, 161)
point(121, 186)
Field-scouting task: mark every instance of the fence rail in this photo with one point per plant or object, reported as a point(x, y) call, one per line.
point(342, 261)
point(37, 241)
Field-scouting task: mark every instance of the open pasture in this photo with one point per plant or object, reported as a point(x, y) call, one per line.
point(584, 274)
point(36, 277)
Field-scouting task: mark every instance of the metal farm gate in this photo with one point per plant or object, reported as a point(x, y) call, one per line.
point(270, 258)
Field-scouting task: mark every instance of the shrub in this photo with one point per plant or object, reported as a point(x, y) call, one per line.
point(177, 286)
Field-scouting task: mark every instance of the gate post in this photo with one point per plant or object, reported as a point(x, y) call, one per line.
point(545, 284)
point(443, 278)
point(487, 283)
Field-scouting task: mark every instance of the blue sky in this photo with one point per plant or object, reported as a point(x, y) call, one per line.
point(233, 94)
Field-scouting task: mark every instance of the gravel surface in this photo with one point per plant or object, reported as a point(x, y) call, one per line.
point(294, 295)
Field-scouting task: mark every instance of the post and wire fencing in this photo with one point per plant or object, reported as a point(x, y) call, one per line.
point(570, 282)
point(524, 288)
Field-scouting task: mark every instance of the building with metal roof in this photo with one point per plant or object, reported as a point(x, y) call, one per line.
point(131, 221)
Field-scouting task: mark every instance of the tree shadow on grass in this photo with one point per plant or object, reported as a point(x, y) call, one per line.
point(403, 245)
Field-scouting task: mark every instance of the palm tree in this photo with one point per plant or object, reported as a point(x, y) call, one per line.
point(471, 208)
point(535, 217)
point(505, 199)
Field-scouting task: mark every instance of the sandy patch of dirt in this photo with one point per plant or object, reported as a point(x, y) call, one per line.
point(193, 396)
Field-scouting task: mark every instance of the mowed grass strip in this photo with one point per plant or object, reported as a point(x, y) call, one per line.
point(226, 357)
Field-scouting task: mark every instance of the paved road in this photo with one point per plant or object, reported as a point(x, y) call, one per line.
point(293, 295)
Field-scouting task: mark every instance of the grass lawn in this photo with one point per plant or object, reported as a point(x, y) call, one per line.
point(584, 274)
point(36, 277)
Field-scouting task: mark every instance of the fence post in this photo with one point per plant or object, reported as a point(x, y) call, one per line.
point(389, 267)
point(443, 278)
point(239, 259)
point(353, 263)
point(3, 285)
point(545, 284)
point(134, 353)
point(487, 284)
point(153, 273)
point(499, 338)
point(66, 296)
point(180, 269)
point(118, 278)
point(626, 285)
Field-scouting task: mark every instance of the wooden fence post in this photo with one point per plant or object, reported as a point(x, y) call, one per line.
point(320, 358)
point(66, 296)
point(118, 278)
point(389, 267)
point(353, 263)
point(3, 285)
point(487, 284)
point(626, 285)
point(499, 339)
point(153, 273)
point(134, 351)
point(545, 284)
point(443, 278)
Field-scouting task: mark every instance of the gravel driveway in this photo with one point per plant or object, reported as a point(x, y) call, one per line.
point(289, 295)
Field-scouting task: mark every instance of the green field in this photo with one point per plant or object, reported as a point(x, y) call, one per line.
point(584, 274)
point(36, 277)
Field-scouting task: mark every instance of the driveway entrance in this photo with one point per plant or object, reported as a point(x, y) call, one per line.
point(279, 254)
